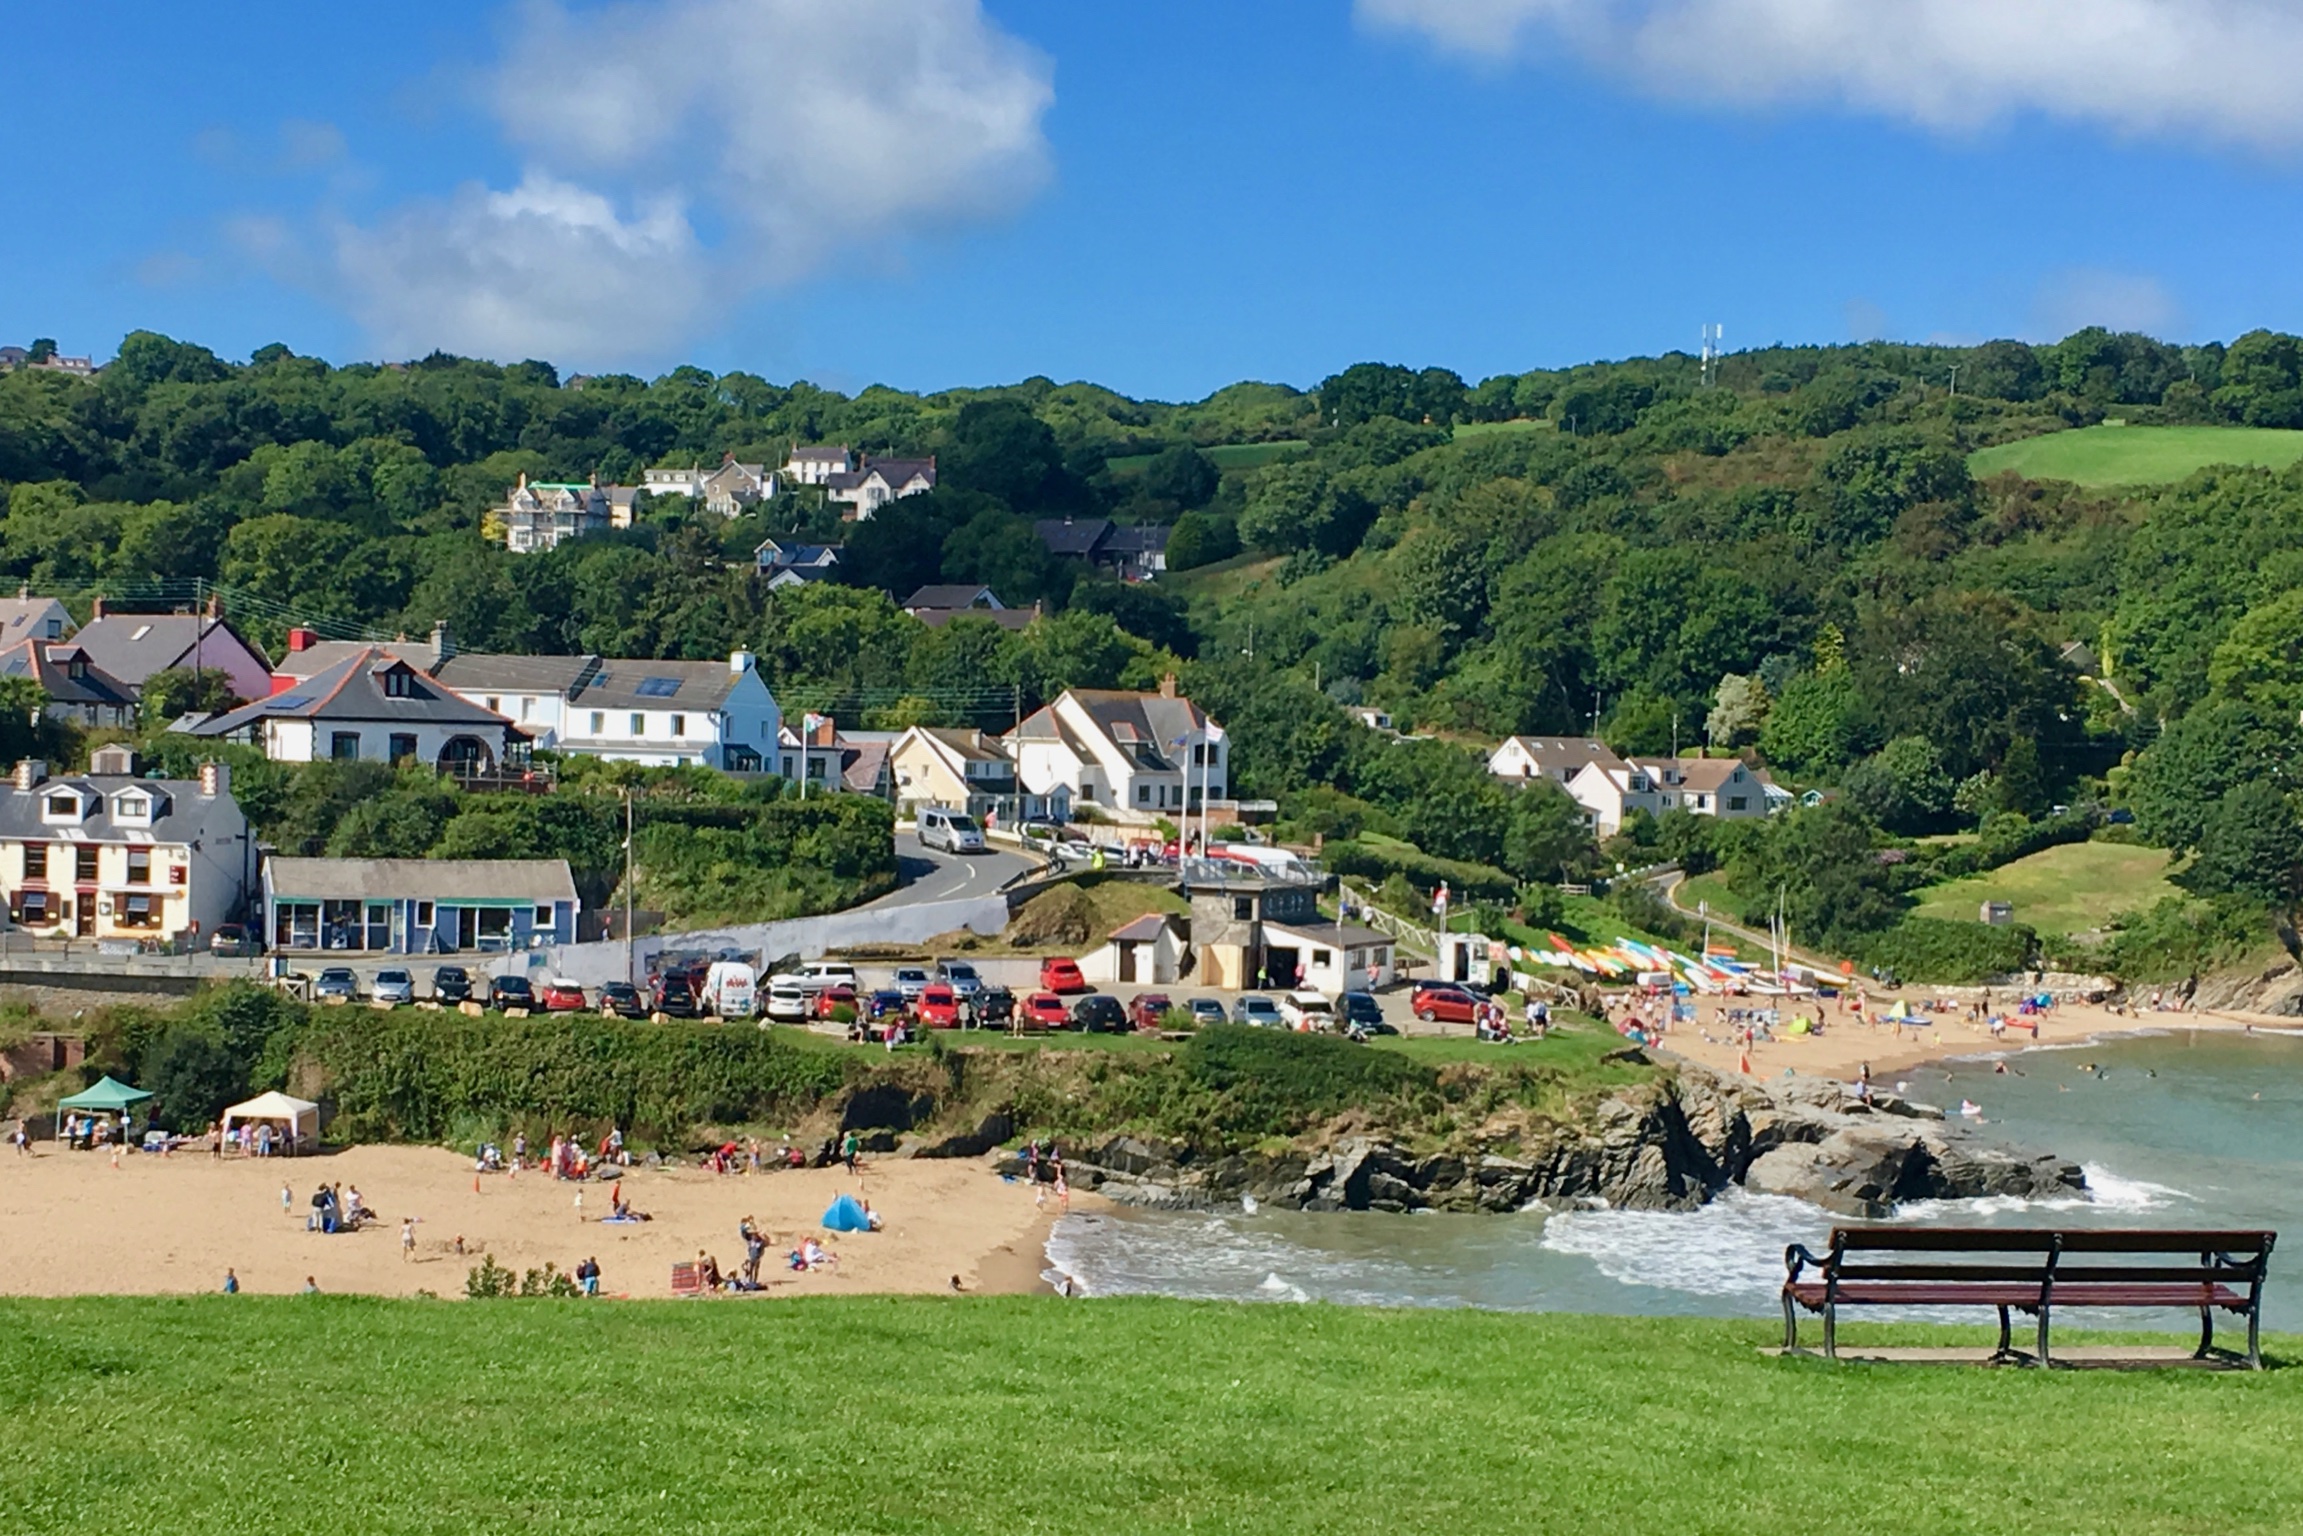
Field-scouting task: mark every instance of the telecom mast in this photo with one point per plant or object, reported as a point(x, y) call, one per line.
point(1711, 339)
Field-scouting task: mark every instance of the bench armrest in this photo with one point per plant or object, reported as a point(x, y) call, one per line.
point(1796, 1258)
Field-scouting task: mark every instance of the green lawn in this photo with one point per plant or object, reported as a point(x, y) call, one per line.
point(952, 1415)
point(2118, 455)
point(1491, 428)
point(2059, 890)
point(1226, 456)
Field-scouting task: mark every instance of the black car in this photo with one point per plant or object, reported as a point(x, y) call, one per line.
point(995, 1005)
point(674, 996)
point(1362, 1012)
point(1101, 1015)
point(511, 992)
point(451, 984)
point(623, 999)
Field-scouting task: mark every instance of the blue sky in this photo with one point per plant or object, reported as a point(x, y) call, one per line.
point(1164, 198)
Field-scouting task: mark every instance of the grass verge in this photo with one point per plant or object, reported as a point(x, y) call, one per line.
point(2120, 455)
point(2066, 889)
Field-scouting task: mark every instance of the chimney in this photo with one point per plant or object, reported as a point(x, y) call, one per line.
point(826, 732)
point(443, 646)
point(30, 775)
point(740, 662)
point(96, 609)
point(215, 779)
point(1167, 686)
point(215, 606)
point(301, 640)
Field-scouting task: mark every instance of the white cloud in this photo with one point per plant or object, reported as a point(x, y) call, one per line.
point(792, 131)
point(2216, 69)
point(2078, 297)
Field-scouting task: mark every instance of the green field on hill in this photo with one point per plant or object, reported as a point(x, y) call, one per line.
point(2067, 889)
point(2121, 455)
point(336, 1414)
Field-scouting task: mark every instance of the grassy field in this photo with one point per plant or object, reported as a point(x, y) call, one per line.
point(1491, 428)
point(326, 1414)
point(1226, 456)
point(2059, 890)
point(2117, 455)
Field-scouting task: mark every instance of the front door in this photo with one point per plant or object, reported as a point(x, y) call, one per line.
point(467, 927)
point(84, 913)
point(1127, 962)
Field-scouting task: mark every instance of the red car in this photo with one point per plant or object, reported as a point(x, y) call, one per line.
point(1043, 1010)
point(562, 997)
point(938, 1008)
point(834, 997)
point(1453, 1004)
point(1148, 1008)
point(1058, 974)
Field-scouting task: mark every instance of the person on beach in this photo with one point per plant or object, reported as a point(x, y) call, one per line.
point(407, 1238)
point(21, 1135)
point(231, 1283)
point(850, 1145)
point(311, 1286)
point(588, 1276)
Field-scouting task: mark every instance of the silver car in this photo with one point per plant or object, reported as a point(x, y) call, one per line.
point(394, 987)
point(911, 981)
point(1259, 1011)
point(953, 831)
point(960, 976)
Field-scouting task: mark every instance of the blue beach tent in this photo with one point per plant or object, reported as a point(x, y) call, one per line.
point(846, 1216)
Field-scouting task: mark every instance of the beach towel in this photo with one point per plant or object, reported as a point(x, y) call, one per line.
point(845, 1215)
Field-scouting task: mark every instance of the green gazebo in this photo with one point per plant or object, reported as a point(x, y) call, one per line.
point(107, 1096)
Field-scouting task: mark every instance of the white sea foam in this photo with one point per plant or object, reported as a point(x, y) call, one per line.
point(1731, 1247)
point(1279, 1290)
point(2113, 1193)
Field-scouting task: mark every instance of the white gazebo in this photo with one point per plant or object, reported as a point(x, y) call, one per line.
point(300, 1116)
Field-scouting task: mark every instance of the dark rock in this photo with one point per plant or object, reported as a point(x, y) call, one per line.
point(886, 1108)
point(994, 1129)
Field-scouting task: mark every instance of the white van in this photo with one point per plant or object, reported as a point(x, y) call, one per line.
point(730, 989)
point(952, 831)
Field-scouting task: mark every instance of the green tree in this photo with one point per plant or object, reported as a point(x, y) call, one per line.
point(172, 694)
point(1544, 835)
point(2260, 663)
point(1904, 786)
point(1201, 538)
point(1183, 475)
point(1738, 710)
point(2251, 846)
point(1820, 724)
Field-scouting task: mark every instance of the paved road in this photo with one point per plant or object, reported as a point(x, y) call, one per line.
point(929, 874)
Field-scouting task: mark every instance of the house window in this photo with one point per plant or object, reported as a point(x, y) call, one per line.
point(527, 708)
point(815, 767)
point(64, 807)
point(495, 705)
point(139, 866)
point(29, 909)
point(679, 725)
point(1242, 909)
point(84, 865)
point(1322, 957)
point(1738, 802)
point(403, 746)
point(396, 684)
point(296, 925)
point(599, 722)
point(423, 914)
point(131, 807)
point(344, 746)
point(139, 912)
point(1143, 794)
point(544, 919)
point(639, 725)
point(35, 861)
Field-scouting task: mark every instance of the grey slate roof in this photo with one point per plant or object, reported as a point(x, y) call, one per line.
point(20, 618)
point(49, 663)
point(472, 672)
point(640, 685)
point(174, 802)
point(354, 689)
point(541, 881)
point(133, 646)
point(1079, 536)
point(954, 595)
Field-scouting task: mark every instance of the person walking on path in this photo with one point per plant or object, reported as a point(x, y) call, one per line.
point(850, 1145)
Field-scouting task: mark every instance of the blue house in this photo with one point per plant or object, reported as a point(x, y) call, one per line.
point(418, 906)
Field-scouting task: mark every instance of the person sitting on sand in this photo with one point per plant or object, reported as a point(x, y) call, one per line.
point(708, 1271)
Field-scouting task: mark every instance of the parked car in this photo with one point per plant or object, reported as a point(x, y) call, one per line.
point(815, 975)
point(1058, 974)
point(337, 981)
point(623, 1000)
point(835, 997)
point(1206, 1011)
point(910, 981)
point(451, 984)
point(1045, 1010)
point(952, 831)
point(1101, 1014)
point(673, 996)
point(1455, 1005)
point(1307, 1012)
point(561, 995)
point(1424, 984)
point(232, 939)
point(1257, 1010)
point(1360, 1011)
point(1148, 1008)
point(885, 1003)
point(788, 1002)
point(938, 1007)
point(960, 976)
point(394, 987)
point(510, 992)
point(995, 1005)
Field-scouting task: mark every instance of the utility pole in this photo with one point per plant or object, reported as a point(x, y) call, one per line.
point(631, 968)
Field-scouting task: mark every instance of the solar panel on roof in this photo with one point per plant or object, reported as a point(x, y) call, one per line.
point(293, 701)
point(657, 687)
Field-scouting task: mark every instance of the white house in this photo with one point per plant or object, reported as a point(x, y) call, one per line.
point(1134, 756)
point(546, 514)
point(1147, 950)
point(1557, 758)
point(370, 707)
point(112, 855)
point(816, 463)
point(966, 770)
point(728, 490)
point(662, 713)
point(880, 481)
point(25, 617)
point(1702, 786)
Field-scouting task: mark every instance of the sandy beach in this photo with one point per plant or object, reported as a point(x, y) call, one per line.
point(1846, 1046)
point(72, 1224)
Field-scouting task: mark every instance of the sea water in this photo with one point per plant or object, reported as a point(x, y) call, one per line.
point(2185, 1128)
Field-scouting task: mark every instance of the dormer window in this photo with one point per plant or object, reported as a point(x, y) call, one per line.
point(396, 683)
point(132, 807)
point(64, 806)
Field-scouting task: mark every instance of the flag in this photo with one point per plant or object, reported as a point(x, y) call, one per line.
point(1214, 732)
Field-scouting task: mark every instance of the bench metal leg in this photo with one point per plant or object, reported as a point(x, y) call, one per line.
point(2006, 1349)
point(2254, 1340)
point(1831, 1332)
point(2206, 1333)
point(2043, 1356)
point(1790, 1322)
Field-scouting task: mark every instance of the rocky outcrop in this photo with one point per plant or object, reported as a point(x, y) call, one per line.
point(1667, 1147)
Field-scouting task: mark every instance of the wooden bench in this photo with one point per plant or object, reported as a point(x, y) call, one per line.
point(687, 1280)
point(2033, 1271)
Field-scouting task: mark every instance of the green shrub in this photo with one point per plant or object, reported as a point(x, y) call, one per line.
point(1940, 951)
point(1465, 882)
point(1279, 1083)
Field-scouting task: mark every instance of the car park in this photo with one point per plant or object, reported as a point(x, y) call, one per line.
point(1150, 1009)
point(1449, 1004)
point(1258, 1010)
point(1060, 974)
point(911, 980)
point(1206, 1011)
point(1045, 1010)
point(1362, 1013)
point(623, 1000)
point(952, 831)
point(788, 1002)
point(561, 995)
point(510, 992)
point(960, 976)
point(337, 981)
point(673, 996)
point(394, 986)
point(833, 998)
point(1100, 1014)
point(938, 1007)
point(995, 1006)
point(451, 984)
point(1307, 1012)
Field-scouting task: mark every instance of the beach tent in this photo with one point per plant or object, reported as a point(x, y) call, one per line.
point(301, 1116)
point(846, 1216)
point(108, 1096)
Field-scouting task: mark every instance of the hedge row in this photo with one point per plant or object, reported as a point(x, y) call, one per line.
point(1933, 950)
point(1465, 882)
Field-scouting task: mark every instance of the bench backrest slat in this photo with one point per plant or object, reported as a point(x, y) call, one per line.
point(2047, 1240)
